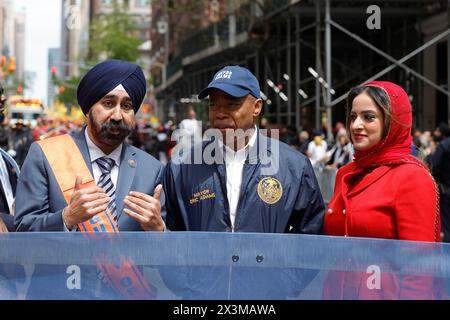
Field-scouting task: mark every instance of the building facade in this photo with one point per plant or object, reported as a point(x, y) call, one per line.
point(54, 60)
point(295, 48)
point(74, 36)
point(19, 44)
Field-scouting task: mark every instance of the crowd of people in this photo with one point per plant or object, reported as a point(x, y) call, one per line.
point(123, 171)
point(17, 138)
point(156, 139)
point(340, 151)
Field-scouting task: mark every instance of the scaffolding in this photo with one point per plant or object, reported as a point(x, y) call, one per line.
point(308, 54)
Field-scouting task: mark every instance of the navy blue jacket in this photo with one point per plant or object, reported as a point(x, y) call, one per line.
point(196, 195)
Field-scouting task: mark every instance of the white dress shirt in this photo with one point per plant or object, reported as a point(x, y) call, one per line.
point(96, 153)
point(318, 152)
point(192, 126)
point(234, 162)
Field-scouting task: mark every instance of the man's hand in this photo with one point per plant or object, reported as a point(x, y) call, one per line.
point(84, 204)
point(3, 227)
point(146, 209)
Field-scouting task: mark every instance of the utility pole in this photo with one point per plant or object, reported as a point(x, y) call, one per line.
point(166, 45)
point(317, 103)
point(448, 66)
point(328, 70)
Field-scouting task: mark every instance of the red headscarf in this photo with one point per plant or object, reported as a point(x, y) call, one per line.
point(396, 146)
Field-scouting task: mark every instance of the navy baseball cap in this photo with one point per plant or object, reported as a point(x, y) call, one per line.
point(235, 80)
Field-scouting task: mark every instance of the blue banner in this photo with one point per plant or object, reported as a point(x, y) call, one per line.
point(204, 265)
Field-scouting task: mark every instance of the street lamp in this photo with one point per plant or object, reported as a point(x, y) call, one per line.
point(320, 79)
point(265, 98)
point(163, 69)
point(277, 90)
point(302, 93)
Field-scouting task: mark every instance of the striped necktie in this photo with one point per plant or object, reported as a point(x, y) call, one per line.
point(105, 164)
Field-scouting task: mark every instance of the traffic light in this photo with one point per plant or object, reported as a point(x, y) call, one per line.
point(214, 11)
point(53, 70)
point(12, 64)
point(61, 89)
point(19, 89)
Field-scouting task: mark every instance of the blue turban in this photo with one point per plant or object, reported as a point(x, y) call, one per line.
point(107, 75)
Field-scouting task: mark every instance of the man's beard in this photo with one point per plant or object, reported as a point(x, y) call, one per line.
point(111, 133)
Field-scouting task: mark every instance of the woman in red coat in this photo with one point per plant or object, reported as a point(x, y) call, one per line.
point(385, 192)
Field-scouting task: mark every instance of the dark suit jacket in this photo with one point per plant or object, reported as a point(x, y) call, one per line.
point(4, 209)
point(39, 200)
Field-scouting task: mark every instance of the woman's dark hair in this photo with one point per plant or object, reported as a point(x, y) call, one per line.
point(381, 99)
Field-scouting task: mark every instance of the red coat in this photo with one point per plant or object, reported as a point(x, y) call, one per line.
point(390, 202)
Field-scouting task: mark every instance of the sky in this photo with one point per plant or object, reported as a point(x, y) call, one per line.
point(42, 31)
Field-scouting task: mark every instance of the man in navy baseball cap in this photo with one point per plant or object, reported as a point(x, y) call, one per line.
point(251, 182)
point(234, 103)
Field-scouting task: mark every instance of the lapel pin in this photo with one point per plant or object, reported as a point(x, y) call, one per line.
point(132, 163)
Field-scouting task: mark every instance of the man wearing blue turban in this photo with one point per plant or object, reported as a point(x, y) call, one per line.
point(93, 181)
point(123, 180)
